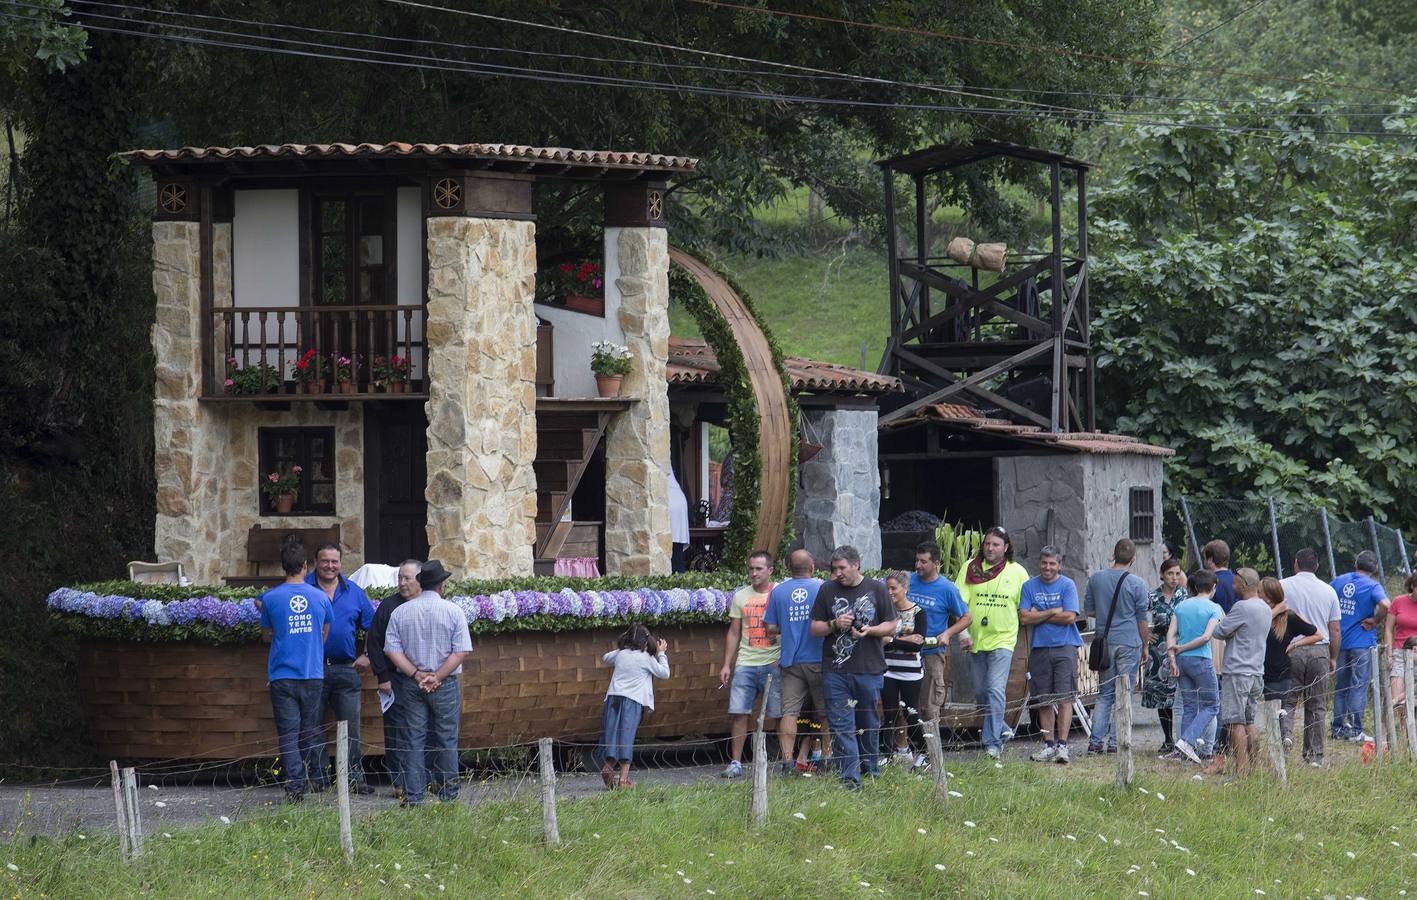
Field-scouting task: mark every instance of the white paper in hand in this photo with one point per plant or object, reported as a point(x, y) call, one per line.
point(385, 701)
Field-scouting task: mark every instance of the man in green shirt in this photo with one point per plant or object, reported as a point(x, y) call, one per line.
point(750, 657)
point(991, 584)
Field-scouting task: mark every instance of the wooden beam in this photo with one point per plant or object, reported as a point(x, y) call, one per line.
point(968, 297)
point(1055, 176)
point(1074, 293)
point(892, 252)
point(972, 383)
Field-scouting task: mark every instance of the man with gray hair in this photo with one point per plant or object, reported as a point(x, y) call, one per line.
point(1363, 604)
point(1049, 603)
point(394, 738)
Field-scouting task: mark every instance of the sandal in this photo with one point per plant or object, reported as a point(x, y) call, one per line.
point(626, 783)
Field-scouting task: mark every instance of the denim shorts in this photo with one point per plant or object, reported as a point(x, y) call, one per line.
point(748, 683)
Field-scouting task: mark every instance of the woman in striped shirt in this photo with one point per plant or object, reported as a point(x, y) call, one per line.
point(900, 690)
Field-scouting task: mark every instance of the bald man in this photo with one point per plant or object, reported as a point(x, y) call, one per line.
point(789, 615)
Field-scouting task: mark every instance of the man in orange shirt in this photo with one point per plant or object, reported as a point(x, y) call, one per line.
point(750, 657)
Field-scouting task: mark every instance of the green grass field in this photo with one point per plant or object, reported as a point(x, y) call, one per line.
point(1024, 830)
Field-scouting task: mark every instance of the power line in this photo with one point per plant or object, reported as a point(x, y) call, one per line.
point(1214, 28)
point(1031, 48)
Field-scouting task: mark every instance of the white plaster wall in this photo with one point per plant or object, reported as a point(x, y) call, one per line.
point(265, 265)
point(1111, 476)
point(574, 332)
point(408, 218)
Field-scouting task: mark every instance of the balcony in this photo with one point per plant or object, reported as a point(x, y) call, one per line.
point(255, 351)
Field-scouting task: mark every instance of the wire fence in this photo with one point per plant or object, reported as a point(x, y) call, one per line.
point(1265, 534)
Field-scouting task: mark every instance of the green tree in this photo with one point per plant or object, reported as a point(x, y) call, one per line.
point(1254, 297)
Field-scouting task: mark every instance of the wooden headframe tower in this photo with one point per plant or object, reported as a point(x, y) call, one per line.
point(1018, 347)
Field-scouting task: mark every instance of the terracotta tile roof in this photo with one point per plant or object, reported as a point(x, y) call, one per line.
point(509, 152)
point(966, 418)
point(693, 362)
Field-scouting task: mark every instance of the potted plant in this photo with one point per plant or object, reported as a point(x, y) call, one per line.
point(576, 286)
point(611, 363)
point(344, 373)
point(280, 488)
point(311, 373)
point(390, 373)
point(250, 379)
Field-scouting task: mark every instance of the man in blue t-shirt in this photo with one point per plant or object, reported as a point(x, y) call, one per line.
point(789, 614)
point(1049, 603)
point(295, 618)
point(1362, 604)
point(943, 605)
point(343, 661)
point(1216, 555)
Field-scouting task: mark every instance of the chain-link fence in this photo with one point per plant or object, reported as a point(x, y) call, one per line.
point(1265, 534)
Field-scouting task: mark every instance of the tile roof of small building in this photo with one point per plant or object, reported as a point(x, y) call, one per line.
point(965, 418)
point(693, 362)
point(505, 152)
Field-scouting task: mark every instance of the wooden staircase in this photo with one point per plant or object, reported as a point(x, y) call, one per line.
point(567, 434)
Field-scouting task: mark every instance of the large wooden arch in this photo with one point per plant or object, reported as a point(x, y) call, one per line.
point(775, 445)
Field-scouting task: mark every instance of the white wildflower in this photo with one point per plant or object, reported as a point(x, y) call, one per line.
point(12, 867)
point(798, 815)
point(940, 866)
point(225, 820)
point(969, 824)
point(956, 794)
point(920, 831)
point(1160, 796)
point(159, 804)
point(1191, 872)
point(1070, 837)
point(1350, 855)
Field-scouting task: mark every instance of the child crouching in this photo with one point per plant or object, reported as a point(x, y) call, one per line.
point(638, 659)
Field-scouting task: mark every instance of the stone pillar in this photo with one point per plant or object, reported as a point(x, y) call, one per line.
point(839, 501)
point(188, 439)
point(481, 335)
point(637, 441)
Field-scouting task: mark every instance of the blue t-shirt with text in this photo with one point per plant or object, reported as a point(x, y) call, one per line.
point(1062, 593)
point(1192, 615)
point(941, 601)
point(297, 615)
point(1358, 599)
point(790, 609)
point(352, 611)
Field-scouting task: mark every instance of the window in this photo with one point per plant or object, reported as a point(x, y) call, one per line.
point(313, 450)
point(1142, 506)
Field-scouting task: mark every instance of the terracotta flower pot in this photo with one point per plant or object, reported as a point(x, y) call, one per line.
point(608, 385)
point(346, 387)
point(582, 303)
point(285, 503)
point(398, 387)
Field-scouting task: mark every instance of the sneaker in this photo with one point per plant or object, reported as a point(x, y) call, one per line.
point(921, 762)
point(1288, 742)
point(1189, 752)
point(1360, 737)
point(1061, 756)
point(853, 786)
point(1111, 748)
point(1173, 756)
point(734, 770)
point(1316, 764)
point(785, 767)
point(1165, 748)
point(1047, 754)
point(993, 752)
point(904, 755)
point(1095, 750)
point(1006, 735)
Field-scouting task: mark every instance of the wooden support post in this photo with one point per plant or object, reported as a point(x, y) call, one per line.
point(936, 754)
point(1122, 714)
point(1385, 689)
point(1376, 692)
point(135, 818)
point(120, 808)
point(346, 835)
point(760, 764)
point(1273, 709)
point(550, 832)
point(1409, 657)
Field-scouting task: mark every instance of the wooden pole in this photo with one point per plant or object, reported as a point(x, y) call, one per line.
point(1191, 533)
point(119, 804)
point(1408, 704)
point(760, 764)
point(346, 835)
point(1273, 741)
point(1376, 691)
point(550, 832)
point(1385, 690)
point(1123, 717)
point(936, 754)
point(1328, 543)
point(135, 819)
point(1274, 535)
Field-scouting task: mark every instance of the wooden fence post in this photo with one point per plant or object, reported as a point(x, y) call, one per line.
point(346, 834)
point(760, 763)
point(1408, 658)
point(936, 754)
point(1375, 689)
point(550, 832)
point(1122, 715)
point(120, 807)
point(1273, 709)
point(1385, 688)
point(135, 818)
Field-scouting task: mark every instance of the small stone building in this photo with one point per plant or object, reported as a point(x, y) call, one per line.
point(495, 453)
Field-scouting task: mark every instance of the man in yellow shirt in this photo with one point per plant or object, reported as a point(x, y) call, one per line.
point(991, 584)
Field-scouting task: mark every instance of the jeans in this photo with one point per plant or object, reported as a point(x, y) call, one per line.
point(1199, 693)
point(1350, 699)
point(991, 690)
point(395, 743)
point(1123, 662)
point(431, 722)
point(295, 704)
point(1309, 667)
point(341, 697)
point(839, 689)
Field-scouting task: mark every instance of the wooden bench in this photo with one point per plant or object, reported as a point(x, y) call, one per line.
point(263, 547)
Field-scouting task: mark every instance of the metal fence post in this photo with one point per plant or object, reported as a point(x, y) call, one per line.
point(1328, 544)
point(1402, 549)
point(1191, 531)
point(1274, 534)
point(1373, 532)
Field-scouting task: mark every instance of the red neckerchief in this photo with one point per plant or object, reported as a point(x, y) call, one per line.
point(975, 573)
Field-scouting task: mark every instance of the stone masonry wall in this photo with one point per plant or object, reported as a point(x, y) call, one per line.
point(1111, 476)
point(1027, 487)
point(839, 500)
point(637, 441)
point(481, 333)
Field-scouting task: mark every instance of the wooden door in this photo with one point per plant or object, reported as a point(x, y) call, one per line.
point(395, 472)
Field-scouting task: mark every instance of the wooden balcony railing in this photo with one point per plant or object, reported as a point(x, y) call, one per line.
point(277, 337)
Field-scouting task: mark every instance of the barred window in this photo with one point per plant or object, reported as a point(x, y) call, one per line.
point(1142, 507)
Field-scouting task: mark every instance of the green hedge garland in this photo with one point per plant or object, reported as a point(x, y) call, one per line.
point(743, 417)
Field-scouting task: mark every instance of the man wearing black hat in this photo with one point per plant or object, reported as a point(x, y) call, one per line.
point(426, 642)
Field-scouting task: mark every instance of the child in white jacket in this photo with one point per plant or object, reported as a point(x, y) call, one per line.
point(638, 660)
